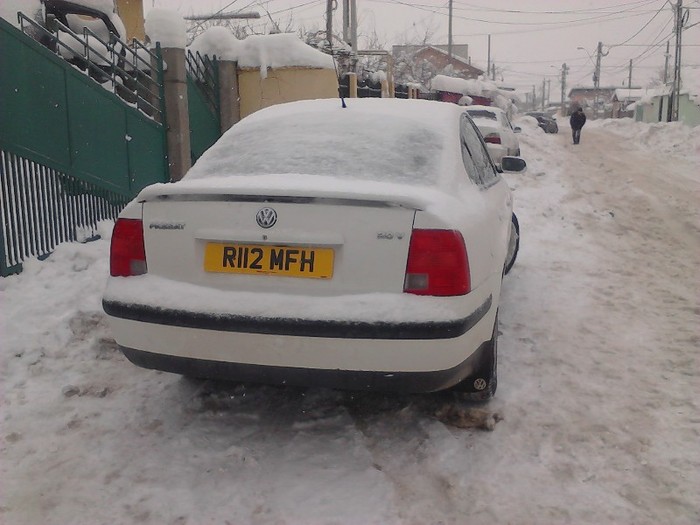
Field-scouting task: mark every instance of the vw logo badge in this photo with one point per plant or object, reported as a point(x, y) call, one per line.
point(266, 217)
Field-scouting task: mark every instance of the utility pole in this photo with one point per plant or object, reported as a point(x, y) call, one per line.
point(543, 92)
point(673, 106)
point(549, 90)
point(629, 80)
point(668, 55)
point(534, 98)
point(353, 28)
point(493, 71)
point(329, 22)
point(564, 71)
point(346, 21)
point(449, 34)
point(596, 76)
point(488, 59)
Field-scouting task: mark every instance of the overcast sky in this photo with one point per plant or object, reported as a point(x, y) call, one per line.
point(530, 39)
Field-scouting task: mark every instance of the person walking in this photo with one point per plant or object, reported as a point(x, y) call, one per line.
point(577, 121)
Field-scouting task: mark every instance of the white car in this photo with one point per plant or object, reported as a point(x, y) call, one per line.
point(356, 248)
point(497, 130)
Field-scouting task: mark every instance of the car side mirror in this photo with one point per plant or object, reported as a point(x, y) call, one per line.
point(517, 129)
point(513, 164)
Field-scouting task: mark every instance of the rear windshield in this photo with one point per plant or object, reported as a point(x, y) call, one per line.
point(482, 113)
point(347, 144)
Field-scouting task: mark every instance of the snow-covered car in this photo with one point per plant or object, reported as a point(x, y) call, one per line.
point(497, 130)
point(355, 248)
point(544, 121)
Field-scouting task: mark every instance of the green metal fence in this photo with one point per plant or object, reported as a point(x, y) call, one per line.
point(73, 150)
point(203, 102)
point(41, 208)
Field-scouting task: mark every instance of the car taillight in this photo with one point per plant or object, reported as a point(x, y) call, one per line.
point(493, 138)
point(127, 255)
point(437, 264)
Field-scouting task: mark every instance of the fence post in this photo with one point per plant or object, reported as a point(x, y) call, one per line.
point(177, 115)
point(230, 102)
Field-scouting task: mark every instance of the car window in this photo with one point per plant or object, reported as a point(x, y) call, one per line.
point(469, 164)
point(482, 113)
point(473, 148)
point(505, 122)
point(364, 147)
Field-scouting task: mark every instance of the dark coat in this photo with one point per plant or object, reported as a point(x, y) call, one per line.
point(577, 120)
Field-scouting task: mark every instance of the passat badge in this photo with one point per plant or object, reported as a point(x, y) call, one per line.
point(266, 217)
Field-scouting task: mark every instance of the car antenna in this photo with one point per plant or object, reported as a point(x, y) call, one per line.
point(337, 74)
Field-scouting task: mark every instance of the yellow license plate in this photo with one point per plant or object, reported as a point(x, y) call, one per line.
point(292, 261)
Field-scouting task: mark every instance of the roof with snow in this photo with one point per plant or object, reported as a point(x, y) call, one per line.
point(260, 51)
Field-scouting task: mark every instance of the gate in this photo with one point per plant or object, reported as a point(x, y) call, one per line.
point(82, 133)
point(204, 106)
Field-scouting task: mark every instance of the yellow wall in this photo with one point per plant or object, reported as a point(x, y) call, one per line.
point(131, 13)
point(284, 85)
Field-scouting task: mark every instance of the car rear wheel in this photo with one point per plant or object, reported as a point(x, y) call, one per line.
point(481, 384)
point(513, 244)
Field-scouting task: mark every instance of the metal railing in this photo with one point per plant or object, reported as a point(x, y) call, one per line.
point(205, 73)
point(131, 71)
point(41, 208)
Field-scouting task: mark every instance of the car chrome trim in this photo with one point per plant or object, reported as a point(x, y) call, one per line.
point(275, 199)
point(408, 382)
point(299, 327)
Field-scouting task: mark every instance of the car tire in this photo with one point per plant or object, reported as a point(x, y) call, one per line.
point(482, 383)
point(513, 244)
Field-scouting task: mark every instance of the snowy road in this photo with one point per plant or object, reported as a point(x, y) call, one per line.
point(598, 384)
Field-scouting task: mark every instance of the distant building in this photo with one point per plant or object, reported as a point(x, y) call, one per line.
point(586, 97)
point(622, 101)
point(438, 58)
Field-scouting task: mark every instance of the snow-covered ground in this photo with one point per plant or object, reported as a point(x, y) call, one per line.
point(598, 383)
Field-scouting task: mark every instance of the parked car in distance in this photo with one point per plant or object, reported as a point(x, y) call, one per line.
point(355, 248)
point(545, 121)
point(497, 130)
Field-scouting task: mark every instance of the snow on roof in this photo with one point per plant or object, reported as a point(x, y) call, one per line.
point(261, 51)
point(167, 27)
point(629, 94)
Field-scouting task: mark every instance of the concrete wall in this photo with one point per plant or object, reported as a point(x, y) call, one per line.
point(688, 111)
point(284, 85)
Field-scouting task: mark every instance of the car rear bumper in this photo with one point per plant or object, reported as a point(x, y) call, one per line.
point(299, 327)
point(407, 356)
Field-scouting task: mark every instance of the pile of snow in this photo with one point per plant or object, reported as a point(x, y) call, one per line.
point(166, 27)
point(659, 137)
point(217, 41)
point(529, 123)
point(31, 8)
point(261, 51)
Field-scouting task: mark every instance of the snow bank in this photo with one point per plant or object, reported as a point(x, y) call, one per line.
point(261, 51)
point(661, 137)
point(166, 27)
